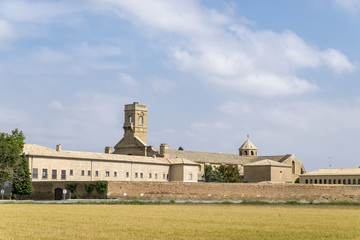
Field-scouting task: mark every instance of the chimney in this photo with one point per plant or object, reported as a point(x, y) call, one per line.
point(108, 150)
point(164, 150)
point(58, 147)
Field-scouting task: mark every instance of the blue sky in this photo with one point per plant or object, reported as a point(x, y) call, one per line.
point(211, 72)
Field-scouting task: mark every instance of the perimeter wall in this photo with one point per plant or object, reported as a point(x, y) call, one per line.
point(211, 191)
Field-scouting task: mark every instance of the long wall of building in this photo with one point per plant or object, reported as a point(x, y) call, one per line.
point(211, 191)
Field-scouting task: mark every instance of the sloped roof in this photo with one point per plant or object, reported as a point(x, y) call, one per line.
point(333, 171)
point(181, 161)
point(222, 158)
point(267, 162)
point(37, 150)
point(248, 145)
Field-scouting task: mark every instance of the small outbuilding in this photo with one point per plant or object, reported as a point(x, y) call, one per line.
point(267, 170)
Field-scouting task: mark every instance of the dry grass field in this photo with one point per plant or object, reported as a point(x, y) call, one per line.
point(56, 221)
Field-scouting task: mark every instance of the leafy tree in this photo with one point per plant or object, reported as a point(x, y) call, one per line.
point(22, 182)
point(89, 188)
point(181, 149)
point(11, 148)
point(212, 175)
point(101, 187)
point(230, 173)
point(297, 180)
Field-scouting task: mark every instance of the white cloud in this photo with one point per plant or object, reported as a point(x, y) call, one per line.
point(352, 6)
point(162, 85)
point(127, 80)
point(7, 34)
point(101, 51)
point(36, 12)
point(226, 53)
point(57, 105)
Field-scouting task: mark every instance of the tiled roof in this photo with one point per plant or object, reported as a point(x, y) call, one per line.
point(37, 150)
point(222, 158)
point(267, 162)
point(248, 145)
point(334, 171)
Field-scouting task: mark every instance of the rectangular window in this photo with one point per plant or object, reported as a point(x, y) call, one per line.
point(107, 174)
point(155, 175)
point(167, 176)
point(89, 173)
point(190, 176)
point(44, 173)
point(35, 173)
point(54, 174)
point(150, 175)
point(82, 172)
point(63, 174)
point(96, 173)
point(141, 175)
point(127, 174)
point(71, 172)
point(136, 175)
point(163, 175)
point(115, 174)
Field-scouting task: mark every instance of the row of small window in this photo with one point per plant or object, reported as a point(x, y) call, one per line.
point(107, 174)
point(334, 181)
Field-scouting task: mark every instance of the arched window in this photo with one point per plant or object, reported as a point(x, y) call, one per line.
point(359, 181)
point(311, 181)
point(320, 181)
point(293, 167)
point(329, 181)
point(141, 120)
point(129, 118)
point(324, 181)
point(349, 181)
point(306, 181)
point(245, 153)
point(354, 181)
point(315, 181)
point(252, 153)
point(339, 181)
point(344, 181)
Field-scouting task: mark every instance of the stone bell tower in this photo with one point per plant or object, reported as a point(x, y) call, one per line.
point(135, 131)
point(248, 149)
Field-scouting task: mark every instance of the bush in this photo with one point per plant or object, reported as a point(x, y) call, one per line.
point(297, 180)
point(76, 195)
point(71, 186)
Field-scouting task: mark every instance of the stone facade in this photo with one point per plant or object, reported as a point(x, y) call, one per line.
point(51, 165)
point(133, 160)
point(267, 171)
point(209, 191)
point(344, 176)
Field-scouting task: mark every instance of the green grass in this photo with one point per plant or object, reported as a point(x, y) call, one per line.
point(179, 221)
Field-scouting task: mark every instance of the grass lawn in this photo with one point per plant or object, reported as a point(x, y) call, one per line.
point(56, 221)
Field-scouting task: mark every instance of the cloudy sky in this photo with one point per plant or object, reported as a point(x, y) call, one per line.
point(211, 72)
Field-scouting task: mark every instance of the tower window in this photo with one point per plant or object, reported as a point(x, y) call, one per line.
point(130, 119)
point(245, 153)
point(141, 120)
point(252, 153)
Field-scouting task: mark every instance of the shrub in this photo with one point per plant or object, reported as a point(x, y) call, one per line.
point(297, 180)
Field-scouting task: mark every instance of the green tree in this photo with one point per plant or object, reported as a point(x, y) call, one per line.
point(89, 188)
point(21, 184)
point(230, 173)
point(101, 187)
point(180, 148)
point(212, 175)
point(11, 148)
point(71, 186)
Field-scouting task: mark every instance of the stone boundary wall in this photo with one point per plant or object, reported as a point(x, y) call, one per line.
point(232, 192)
point(208, 191)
